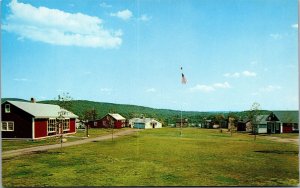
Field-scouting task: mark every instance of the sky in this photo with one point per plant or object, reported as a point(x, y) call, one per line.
point(232, 52)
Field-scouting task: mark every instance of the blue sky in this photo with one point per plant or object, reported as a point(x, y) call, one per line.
point(233, 52)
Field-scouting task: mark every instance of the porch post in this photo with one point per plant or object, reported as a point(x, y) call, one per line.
point(33, 132)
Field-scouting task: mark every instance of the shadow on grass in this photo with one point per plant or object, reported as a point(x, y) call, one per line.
point(277, 152)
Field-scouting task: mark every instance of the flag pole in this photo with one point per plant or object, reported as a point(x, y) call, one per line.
point(183, 81)
point(181, 121)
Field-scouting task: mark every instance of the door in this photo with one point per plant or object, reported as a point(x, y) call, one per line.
point(273, 128)
point(139, 125)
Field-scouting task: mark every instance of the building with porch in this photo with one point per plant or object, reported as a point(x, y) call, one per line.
point(31, 120)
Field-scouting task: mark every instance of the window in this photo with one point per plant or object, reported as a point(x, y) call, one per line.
point(262, 126)
point(7, 126)
point(51, 125)
point(66, 124)
point(277, 126)
point(295, 126)
point(7, 108)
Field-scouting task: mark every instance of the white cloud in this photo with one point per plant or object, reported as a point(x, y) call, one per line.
point(124, 14)
point(144, 18)
point(105, 5)
point(202, 88)
point(234, 75)
point(56, 27)
point(276, 36)
point(21, 79)
point(295, 26)
point(210, 88)
point(248, 73)
point(245, 73)
point(224, 85)
point(152, 90)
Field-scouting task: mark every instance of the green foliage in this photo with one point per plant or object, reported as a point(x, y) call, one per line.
point(166, 116)
point(65, 100)
point(90, 114)
point(81, 107)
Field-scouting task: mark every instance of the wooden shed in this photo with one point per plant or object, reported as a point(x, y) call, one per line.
point(182, 122)
point(243, 125)
point(109, 121)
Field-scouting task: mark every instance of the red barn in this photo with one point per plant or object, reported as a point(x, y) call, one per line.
point(30, 120)
point(108, 120)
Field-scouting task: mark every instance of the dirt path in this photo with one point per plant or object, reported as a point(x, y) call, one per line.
point(283, 140)
point(17, 152)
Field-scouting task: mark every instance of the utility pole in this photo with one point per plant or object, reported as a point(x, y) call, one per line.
point(86, 129)
point(60, 121)
point(112, 130)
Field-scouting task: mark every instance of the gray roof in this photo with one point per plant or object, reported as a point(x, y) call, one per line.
point(117, 116)
point(287, 116)
point(261, 119)
point(39, 110)
point(143, 120)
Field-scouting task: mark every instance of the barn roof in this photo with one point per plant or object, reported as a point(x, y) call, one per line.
point(261, 119)
point(143, 120)
point(39, 110)
point(117, 116)
point(287, 116)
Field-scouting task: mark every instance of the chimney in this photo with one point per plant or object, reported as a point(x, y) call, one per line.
point(32, 100)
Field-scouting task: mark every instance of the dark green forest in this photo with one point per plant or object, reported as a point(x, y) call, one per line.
point(90, 110)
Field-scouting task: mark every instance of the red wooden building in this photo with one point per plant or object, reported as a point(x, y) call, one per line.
point(30, 120)
point(109, 120)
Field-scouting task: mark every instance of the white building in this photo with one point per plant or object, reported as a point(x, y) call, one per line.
point(144, 123)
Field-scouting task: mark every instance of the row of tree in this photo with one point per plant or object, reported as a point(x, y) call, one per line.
point(88, 110)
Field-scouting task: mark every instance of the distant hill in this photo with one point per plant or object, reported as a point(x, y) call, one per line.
point(12, 99)
point(166, 116)
point(79, 107)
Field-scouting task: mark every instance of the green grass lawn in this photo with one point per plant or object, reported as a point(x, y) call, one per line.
point(160, 157)
point(285, 135)
point(80, 134)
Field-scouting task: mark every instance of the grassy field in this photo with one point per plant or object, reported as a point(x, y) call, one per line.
point(80, 134)
point(160, 157)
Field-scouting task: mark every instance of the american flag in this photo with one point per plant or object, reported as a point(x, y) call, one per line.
point(183, 79)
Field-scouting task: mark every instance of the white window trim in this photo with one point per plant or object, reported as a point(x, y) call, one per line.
point(7, 108)
point(66, 120)
point(48, 126)
point(6, 122)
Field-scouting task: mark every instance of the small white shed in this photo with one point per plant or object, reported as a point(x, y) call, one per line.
point(144, 123)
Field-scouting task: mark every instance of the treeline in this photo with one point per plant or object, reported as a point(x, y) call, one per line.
point(95, 110)
point(89, 110)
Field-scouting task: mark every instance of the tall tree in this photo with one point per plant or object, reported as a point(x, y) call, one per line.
point(91, 114)
point(253, 115)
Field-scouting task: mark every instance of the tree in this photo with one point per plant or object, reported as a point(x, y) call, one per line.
point(65, 101)
point(231, 124)
point(219, 119)
point(252, 115)
point(90, 114)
